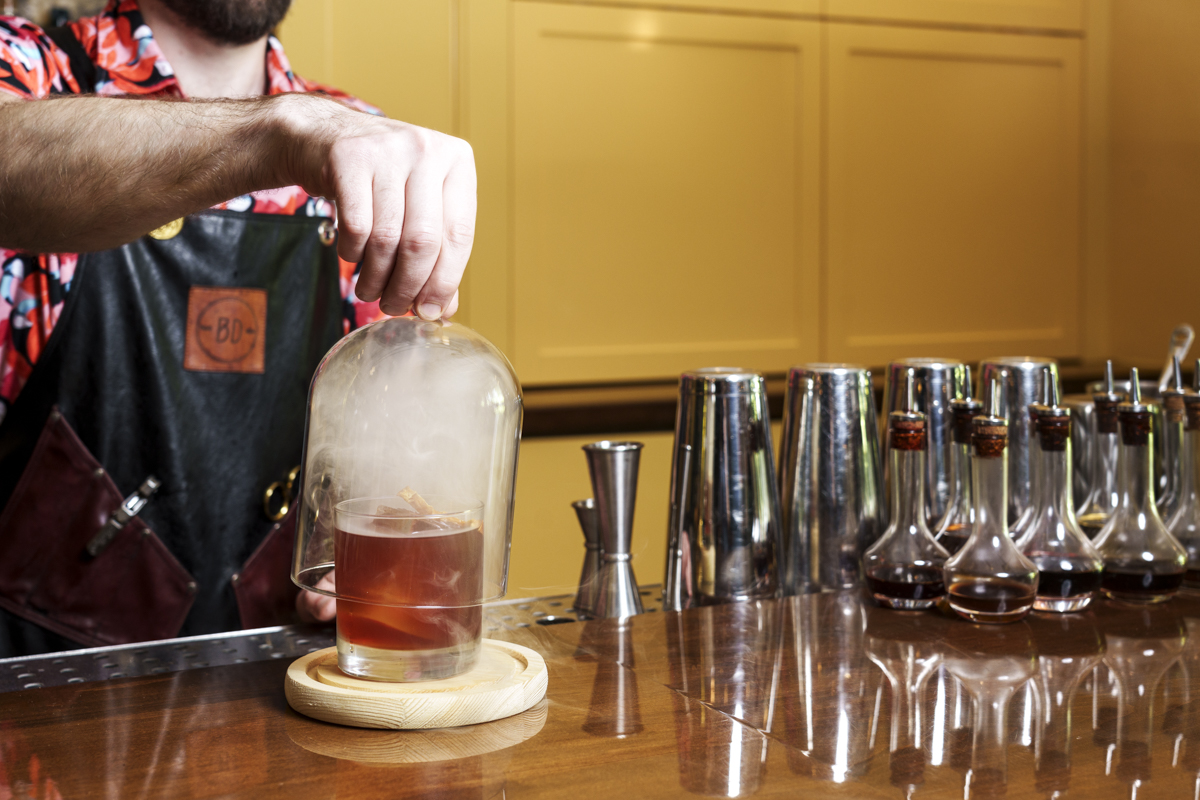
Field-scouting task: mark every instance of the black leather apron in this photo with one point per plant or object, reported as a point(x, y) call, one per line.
point(111, 401)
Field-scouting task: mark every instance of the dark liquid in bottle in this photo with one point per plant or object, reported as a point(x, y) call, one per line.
point(991, 599)
point(907, 583)
point(1058, 583)
point(1131, 584)
point(954, 537)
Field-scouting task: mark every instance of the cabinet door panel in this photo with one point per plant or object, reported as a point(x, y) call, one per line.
point(665, 172)
point(401, 57)
point(1060, 14)
point(953, 194)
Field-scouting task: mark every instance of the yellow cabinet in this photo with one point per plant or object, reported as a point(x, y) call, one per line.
point(1037, 14)
point(665, 191)
point(953, 194)
point(400, 56)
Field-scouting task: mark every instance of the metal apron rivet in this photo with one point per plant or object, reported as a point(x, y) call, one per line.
point(326, 232)
point(168, 231)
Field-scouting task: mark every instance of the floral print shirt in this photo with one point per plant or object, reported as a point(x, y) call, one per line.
point(34, 286)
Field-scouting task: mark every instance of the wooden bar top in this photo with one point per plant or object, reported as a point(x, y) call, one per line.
point(813, 696)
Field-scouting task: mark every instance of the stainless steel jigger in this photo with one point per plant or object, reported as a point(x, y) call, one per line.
point(589, 576)
point(723, 528)
point(613, 467)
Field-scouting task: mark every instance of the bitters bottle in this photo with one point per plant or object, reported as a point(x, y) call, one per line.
point(1068, 565)
point(1143, 562)
point(904, 568)
point(989, 580)
point(956, 524)
point(1102, 500)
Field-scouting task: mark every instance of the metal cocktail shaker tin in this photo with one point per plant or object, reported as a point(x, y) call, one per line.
point(723, 534)
point(935, 379)
point(830, 478)
point(1021, 381)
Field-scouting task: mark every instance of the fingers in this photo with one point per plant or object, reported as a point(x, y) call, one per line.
point(353, 195)
point(438, 296)
point(420, 242)
point(313, 607)
point(379, 252)
point(406, 212)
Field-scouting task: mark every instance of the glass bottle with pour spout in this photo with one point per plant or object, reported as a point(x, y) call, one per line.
point(955, 526)
point(904, 568)
point(1173, 424)
point(1068, 565)
point(1104, 496)
point(1143, 562)
point(989, 580)
point(1184, 525)
point(1021, 527)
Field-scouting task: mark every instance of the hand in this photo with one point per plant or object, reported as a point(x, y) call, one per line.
point(316, 607)
point(405, 199)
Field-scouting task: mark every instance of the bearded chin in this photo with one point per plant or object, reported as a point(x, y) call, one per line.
point(230, 22)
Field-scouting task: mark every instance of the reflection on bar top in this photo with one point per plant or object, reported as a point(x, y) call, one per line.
point(821, 695)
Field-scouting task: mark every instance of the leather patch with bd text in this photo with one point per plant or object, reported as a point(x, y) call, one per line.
point(226, 329)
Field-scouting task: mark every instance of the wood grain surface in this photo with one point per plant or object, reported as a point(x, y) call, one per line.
point(803, 697)
point(506, 680)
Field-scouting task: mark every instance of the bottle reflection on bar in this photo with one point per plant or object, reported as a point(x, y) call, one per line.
point(724, 668)
point(1068, 649)
point(828, 688)
point(1141, 645)
point(993, 665)
point(949, 712)
point(905, 648)
point(1188, 705)
point(614, 711)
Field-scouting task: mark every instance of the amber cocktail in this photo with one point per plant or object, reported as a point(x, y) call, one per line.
point(409, 586)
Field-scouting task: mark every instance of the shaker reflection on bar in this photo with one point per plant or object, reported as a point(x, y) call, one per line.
point(829, 476)
point(613, 467)
point(723, 536)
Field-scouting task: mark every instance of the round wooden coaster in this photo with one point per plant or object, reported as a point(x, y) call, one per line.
point(507, 680)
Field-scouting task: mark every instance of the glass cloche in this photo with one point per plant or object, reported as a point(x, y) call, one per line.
point(406, 493)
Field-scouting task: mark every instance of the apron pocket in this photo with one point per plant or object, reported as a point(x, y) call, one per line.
point(264, 589)
point(134, 591)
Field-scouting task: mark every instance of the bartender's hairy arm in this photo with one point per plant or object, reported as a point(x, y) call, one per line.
point(79, 174)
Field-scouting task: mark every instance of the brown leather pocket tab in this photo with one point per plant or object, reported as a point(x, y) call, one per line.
point(264, 589)
point(226, 330)
point(134, 591)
